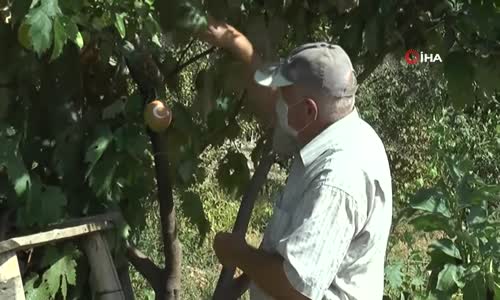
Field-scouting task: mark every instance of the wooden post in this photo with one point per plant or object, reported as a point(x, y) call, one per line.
point(104, 280)
point(11, 283)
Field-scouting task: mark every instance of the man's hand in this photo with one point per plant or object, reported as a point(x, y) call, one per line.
point(265, 269)
point(219, 34)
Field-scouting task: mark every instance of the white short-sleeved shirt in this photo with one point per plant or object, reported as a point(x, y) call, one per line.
point(332, 220)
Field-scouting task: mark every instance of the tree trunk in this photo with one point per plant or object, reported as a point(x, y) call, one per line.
point(166, 282)
point(170, 287)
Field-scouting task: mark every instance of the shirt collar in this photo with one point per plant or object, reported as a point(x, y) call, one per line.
point(330, 136)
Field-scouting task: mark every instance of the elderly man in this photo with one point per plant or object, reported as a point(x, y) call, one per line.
point(328, 234)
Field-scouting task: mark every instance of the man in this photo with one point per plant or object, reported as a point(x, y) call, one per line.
point(328, 234)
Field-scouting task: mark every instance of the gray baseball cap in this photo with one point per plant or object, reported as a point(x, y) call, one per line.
point(322, 69)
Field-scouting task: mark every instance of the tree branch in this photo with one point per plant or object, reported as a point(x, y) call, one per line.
point(191, 60)
point(183, 53)
point(244, 214)
point(151, 272)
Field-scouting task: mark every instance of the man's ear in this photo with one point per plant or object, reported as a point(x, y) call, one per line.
point(312, 108)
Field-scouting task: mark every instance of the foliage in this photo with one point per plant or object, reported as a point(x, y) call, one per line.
point(466, 209)
point(72, 139)
point(60, 273)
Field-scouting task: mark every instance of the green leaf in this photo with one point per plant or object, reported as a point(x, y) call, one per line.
point(11, 159)
point(459, 72)
point(120, 24)
point(23, 36)
point(51, 7)
point(450, 278)
point(475, 288)
point(192, 208)
point(432, 222)
point(72, 31)
point(393, 275)
point(477, 215)
point(447, 247)
point(233, 173)
point(47, 204)
point(61, 273)
point(94, 152)
point(439, 259)
point(102, 176)
point(60, 38)
point(40, 30)
point(431, 200)
point(35, 293)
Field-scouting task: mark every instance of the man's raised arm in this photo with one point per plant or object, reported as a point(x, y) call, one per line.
point(261, 99)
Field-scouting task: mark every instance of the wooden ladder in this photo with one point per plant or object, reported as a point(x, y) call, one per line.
point(104, 280)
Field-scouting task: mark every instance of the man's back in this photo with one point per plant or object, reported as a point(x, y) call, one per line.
point(332, 221)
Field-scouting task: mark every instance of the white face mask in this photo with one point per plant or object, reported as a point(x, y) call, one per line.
point(282, 112)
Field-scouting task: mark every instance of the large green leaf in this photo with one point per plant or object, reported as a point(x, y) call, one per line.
point(431, 200)
point(438, 259)
point(120, 24)
point(61, 272)
point(45, 206)
point(35, 293)
point(60, 38)
point(41, 25)
point(460, 75)
point(450, 278)
point(447, 247)
point(40, 30)
point(433, 222)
